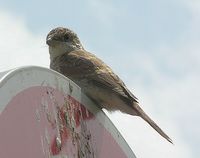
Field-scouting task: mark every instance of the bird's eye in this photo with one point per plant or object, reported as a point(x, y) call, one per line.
point(66, 37)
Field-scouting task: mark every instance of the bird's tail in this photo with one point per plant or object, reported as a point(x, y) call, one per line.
point(143, 115)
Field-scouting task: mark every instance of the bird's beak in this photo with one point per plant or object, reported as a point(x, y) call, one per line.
point(49, 41)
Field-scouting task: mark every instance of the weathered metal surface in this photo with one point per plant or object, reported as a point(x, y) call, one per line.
point(45, 115)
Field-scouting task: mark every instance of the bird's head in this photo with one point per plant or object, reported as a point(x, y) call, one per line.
point(62, 40)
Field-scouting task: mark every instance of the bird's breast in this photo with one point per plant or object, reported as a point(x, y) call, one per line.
point(104, 97)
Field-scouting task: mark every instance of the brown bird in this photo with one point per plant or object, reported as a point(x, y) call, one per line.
point(96, 79)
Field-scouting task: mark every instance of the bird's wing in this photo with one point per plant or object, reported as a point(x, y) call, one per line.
point(81, 64)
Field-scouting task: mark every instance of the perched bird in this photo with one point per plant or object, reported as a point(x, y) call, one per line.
point(96, 79)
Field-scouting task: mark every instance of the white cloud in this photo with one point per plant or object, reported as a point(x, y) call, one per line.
point(167, 84)
point(171, 103)
point(145, 142)
point(171, 99)
point(20, 47)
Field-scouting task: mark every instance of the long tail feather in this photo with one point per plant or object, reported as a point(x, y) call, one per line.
point(144, 116)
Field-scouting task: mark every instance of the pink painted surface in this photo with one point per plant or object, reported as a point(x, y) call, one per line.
point(42, 122)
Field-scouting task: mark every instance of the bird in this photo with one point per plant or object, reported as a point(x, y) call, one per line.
point(95, 78)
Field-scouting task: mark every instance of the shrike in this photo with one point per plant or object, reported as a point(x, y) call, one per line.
point(96, 79)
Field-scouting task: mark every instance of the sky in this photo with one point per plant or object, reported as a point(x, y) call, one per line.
point(153, 45)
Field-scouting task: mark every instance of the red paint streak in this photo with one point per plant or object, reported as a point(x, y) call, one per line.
point(73, 110)
point(80, 112)
point(63, 131)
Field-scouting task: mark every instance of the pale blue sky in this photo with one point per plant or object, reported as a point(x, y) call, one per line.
point(153, 45)
point(159, 21)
